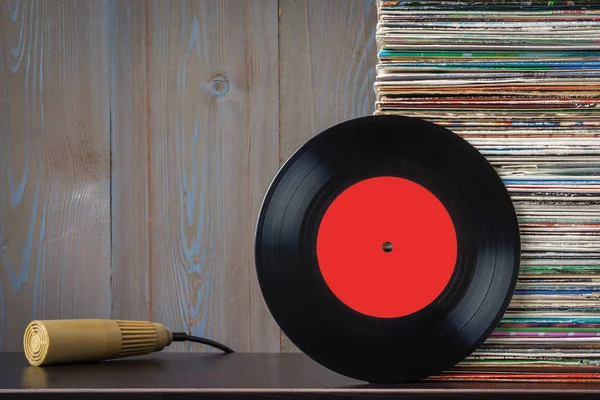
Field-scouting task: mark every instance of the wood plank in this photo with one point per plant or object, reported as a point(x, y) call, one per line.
point(213, 84)
point(54, 164)
point(327, 59)
point(131, 261)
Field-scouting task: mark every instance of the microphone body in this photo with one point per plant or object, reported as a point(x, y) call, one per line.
point(80, 340)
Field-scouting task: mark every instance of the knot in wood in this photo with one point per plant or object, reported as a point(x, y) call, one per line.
point(218, 85)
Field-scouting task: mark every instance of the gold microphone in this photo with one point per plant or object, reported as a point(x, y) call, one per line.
point(81, 340)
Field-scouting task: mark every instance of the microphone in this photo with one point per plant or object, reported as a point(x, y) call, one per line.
point(82, 340)
point(77, 340)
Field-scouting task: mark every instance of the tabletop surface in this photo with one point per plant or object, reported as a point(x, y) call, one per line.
point(253, 375)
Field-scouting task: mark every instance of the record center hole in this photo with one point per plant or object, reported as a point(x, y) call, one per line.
point(387, 247)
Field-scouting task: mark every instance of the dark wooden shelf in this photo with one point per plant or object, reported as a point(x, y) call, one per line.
point(239, 375)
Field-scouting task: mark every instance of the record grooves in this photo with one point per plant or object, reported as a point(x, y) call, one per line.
point(387, 248)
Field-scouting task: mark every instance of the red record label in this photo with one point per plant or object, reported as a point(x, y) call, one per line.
point(386, 247)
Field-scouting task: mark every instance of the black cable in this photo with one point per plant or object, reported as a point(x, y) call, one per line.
point(182, 337)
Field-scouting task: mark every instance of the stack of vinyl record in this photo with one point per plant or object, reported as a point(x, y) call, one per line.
point(519, 80)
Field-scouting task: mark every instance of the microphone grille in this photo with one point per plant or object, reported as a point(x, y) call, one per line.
point(36, 342)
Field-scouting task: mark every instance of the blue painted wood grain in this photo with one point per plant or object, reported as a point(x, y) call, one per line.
point(328, 58)
point(54, 170)
point(131, 219)
point(191, 93)
point(213, 147)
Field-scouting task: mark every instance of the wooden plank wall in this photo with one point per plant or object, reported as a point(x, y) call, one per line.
point(137, 139)
point(55, 163)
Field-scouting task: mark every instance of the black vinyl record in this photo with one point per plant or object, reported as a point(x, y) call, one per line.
point(387, 248)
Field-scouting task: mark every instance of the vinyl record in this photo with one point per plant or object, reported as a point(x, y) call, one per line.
point(387, 248)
